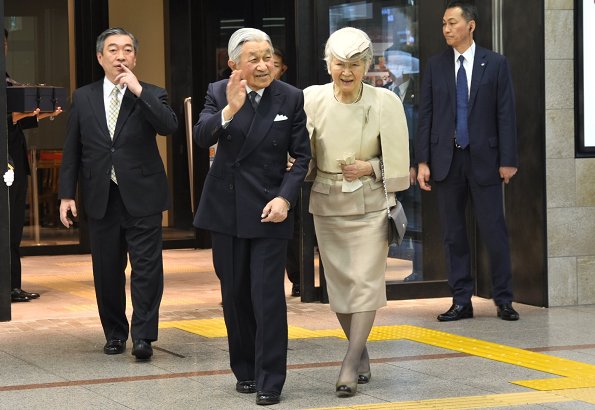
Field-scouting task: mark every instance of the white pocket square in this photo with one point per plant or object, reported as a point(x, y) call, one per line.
point(280, 117)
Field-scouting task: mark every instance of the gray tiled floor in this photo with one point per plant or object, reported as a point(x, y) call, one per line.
point(51, 352)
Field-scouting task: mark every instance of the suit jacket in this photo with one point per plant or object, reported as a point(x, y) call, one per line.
point(17, 144)
point(491, 116)
point(89, 150)
point(249, 166)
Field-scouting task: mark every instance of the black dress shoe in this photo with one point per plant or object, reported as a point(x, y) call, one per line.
point(507, 312)
point(114, 346)
point(295, 290)
point(142, 349)
point(246, 386)
point(264, 398)
point(30, 295)
point(16, 295)
point(457, 312)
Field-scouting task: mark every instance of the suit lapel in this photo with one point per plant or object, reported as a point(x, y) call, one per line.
point(449, 63)
point(479, 65)
point(267, 109)
point(125, 109)
point(96, 101)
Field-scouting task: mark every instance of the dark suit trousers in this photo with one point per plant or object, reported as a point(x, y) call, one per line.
point(18, 196)
point(453, 194)
point(293, 248)
point(251, 272)
point(112, 237)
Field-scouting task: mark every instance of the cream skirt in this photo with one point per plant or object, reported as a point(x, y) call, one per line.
point(354, 251)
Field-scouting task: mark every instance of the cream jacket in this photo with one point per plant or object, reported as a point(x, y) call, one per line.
point(368, 130)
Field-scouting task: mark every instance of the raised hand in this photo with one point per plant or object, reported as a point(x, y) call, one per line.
point(128, 78)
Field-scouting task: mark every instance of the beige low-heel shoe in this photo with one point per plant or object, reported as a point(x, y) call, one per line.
point(346, 389)
point(364, 378)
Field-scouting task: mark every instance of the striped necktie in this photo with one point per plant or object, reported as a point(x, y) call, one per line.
point(112, 119)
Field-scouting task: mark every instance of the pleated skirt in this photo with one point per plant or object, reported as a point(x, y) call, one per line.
point(353, 250)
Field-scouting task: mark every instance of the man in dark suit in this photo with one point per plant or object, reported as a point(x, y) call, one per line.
point(111, 144)
point(467, 143)
point(245, 203)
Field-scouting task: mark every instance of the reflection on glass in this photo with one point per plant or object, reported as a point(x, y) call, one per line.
point(392, 27)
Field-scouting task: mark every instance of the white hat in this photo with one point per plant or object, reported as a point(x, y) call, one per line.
point(348, 42)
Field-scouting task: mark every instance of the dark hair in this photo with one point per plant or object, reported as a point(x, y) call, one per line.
point(468, 9)
point(6, 34)
point(115, 31)
point(278, 52)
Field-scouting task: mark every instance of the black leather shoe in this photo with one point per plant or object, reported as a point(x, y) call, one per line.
point(295, 290)
point(264, 398)
point(246, 386)
point(507, 312)
point(142, 349)
point(30, 295)
point(456, 312)
point(19, 293)
point(114, 346)
point(17, 296)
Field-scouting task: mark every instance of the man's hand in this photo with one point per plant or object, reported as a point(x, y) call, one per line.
point(423, 176)
point(65, 206)
point(290, 162)
point(412, 175)
point(9, 177)
point(235, 93)
point(275, 210)
point(356, 170)
point(507, 172)
point(129, 79)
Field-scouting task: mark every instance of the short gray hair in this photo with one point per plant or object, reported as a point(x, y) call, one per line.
point(239, 37)
point(366, 55)
point(114, 31)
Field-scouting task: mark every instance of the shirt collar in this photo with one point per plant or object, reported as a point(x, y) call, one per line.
point(469, 54)
point(259, 92)
point(108, 86)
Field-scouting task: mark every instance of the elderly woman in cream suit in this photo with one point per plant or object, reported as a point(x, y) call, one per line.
point(353, 128)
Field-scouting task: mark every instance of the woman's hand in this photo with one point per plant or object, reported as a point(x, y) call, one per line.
point(17, 116)
point(357, 170)
point(52, 115)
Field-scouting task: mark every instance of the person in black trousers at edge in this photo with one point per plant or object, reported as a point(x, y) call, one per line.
point(292, 265)
point(17, 151)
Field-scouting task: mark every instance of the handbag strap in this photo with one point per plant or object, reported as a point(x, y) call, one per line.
point(384, 186)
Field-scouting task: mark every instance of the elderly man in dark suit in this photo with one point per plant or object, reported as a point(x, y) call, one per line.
point(111, 144)
point(467, 143)
point(257, 122)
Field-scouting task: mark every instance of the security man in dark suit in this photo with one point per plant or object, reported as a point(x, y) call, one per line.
point(467, 143)
point(245, 203)
point(111, 144)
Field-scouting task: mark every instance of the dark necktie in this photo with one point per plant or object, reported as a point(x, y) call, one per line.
point(462, 137)
point(252, 97)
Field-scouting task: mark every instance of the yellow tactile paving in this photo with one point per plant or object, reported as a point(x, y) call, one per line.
point(467, 402)
point(205, 327)
point(576, 374)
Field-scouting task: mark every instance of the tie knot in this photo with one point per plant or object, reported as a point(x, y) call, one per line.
point(253, 101)
point(461, 59)
point(115, 91)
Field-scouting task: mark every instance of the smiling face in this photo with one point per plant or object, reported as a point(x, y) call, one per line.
point(457, 31)
point(256, 64)
point(118, 50)
point(347, 76)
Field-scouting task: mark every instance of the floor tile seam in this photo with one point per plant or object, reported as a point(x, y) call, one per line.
point(206, 373)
